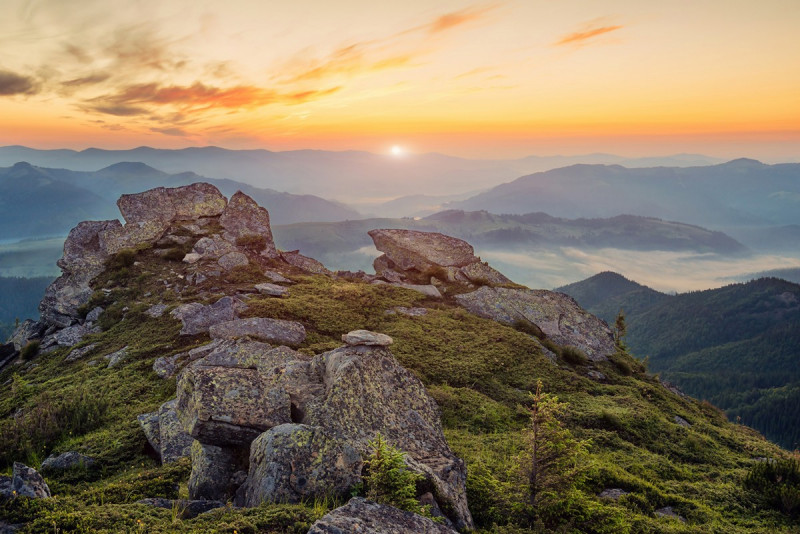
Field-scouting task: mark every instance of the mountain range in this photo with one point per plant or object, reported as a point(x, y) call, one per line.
point(739, 193)
point(37, 201)
point(349, 176)
point(737, 346)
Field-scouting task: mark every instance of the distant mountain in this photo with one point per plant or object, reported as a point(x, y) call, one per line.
point(329, 241)
point(36, 201)
point(738, 193)
point(790, 275)
point(737, 346)
point(344, 176)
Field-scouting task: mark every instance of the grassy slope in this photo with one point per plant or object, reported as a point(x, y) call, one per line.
point(480, 373)
point(736, 346)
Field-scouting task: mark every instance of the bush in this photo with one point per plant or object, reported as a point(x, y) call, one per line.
point(253, 242)
point(574, 355)
point(30, 350)
point(388, 479)
point(123, 259)
point(777, 483)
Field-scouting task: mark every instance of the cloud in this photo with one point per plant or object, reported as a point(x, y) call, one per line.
point(87, 80)
point(16, 84)
point(178, 132)
point(589, 32)
point(141, 99)
point(392, 52)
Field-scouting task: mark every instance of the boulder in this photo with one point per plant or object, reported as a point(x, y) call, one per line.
point(557, 315)
point(94, 314)
point(186, 509)
point(174, 442)
point(360, 515)
point(83, 259)
point(612, 493)
point(72, 335)
point(67, 460)
point(26, 332)
point(277, 277)
point(229, 406)
point(367, 391)
point(304, 263)
point(411, 249)
point(668, 512)
point(234, 259)
point(196, 200)
point(156, 310)
point(115, 358)
point(149, 424)
point(291, 462)
point(133, 234)
point(210, 248)
point(197, 318)
point(480, 273)
point(217, 472)
point(367, 338)
point(27, 482)
point(151, 205)
point(681, 421)
point(270, 330)
point(243, 217)
point(272, 290)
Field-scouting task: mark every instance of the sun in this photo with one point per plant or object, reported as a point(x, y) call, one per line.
point(397, 151)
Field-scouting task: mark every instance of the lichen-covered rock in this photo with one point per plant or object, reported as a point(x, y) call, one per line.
point(428, 290)
point(310, 265)
point(156, 310)
point(482, 273)
point(149, 424)
point(360, 516)
point(116, 357)
point(291, 462)
point(197, 318)
point(276, 331)
point(243, 217)
point(67, 460)
point(77, 354)
point(71, 335)
point(277, 277)
point(231, 260)
point(196, 200)
point(367, 391)
point(133, 234)
point(84, 258)
point(26, 332)
point(557, 315)
point(367, 338)
point(211, 248)
point(151, 205)
point(217, 472)
point(411, 249)
point(229, 405)
point(272, 290)
point(174, 442)
point(27, 482)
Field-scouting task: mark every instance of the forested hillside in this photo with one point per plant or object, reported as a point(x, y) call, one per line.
point(19, 299)
point(736, 346)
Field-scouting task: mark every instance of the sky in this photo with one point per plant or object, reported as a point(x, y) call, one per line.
point(500, 79)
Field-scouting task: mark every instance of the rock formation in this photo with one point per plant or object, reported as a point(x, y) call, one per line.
point(413, 256)
point(361, 515)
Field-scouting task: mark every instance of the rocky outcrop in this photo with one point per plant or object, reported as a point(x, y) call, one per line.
point(557, 315)
point(84, 258)
point(67, 460)
point(290, 462)
point(217, 472)
point(165, 433)
point(197, 318)
point(7, 354)
point(243, 218)
point(366, 392)
point(360, 515)
point(26, 482)
point(414, 256)
point(304, 263)
point(270, 330)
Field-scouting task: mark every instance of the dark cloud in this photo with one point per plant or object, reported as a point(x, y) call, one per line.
point(12, 83)
point(171, 131)
point(118, 110)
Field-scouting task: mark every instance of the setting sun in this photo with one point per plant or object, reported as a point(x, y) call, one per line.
point(398, 151)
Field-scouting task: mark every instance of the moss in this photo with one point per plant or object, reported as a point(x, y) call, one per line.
point(574, 355)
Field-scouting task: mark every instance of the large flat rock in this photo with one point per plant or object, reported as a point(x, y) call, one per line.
point(411, 249)
point(557, 315)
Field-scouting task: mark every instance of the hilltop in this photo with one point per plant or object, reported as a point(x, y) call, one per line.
point(736, 346)
point(196, 367)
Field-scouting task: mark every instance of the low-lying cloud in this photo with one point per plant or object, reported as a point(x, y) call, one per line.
point(12, 83)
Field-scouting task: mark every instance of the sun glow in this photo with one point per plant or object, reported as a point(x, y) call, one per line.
point(398, 151)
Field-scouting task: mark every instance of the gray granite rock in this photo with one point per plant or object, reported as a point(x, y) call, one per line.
point(367, 338)
point(243, 217)
point(612, 493)
point(27, 482)
point(117, 357)
point(667, 511)
point(290, 462)
point(233, 259)
point(557, 315)
point(362, 516)
point(270, 330)
point(67, 460)
point(414, 250)
point(310, 265)
point(174, 442)
point(272, 290)
point(217, 472)
point(197, 318)
point(156, 310)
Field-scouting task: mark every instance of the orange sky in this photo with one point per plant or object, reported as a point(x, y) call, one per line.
point(493, 79)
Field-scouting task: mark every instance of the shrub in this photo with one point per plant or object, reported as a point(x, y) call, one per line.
point(177, 253)
point(253, 242)
point(527, 327)
point(777, 483)
point(574, 355)
point(30, 350)
point(388, 479)
point(122, 259)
